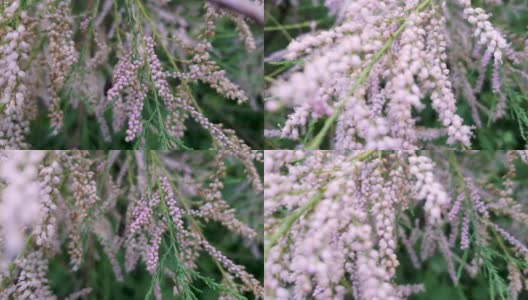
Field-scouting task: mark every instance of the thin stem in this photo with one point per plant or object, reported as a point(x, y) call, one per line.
point(499, 241)
point(186, 207)
point(279, 26)
point(290, 26)
point(288, 222)
point(315, 144)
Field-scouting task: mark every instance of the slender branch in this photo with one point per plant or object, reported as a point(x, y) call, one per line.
point(193, 223)
point(288, 222)
point(244, 7)
point(361, 80)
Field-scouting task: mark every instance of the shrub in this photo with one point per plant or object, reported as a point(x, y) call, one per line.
point(397, 75)
point(357, 225)
point(127, 225)
point(127, 74)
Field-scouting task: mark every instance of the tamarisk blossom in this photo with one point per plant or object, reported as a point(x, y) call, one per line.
point(204, 69)
point(436, 198)
point(464, 234)
point(40, 67)
point(346, 230)
point(84, 190)
point(153, 256)
point(372, 75)
point(224, 138)
point(515, 280)
point(129, 91)
point(33, 281)
point(14, 54)
point(485, 32)
point(176, 213)
point(54, 203)
point(63, 55)
point(523, 154)
point(46, 228)
point(18, 84)
point(143, 213)
point(126, 81)
point(332, 216)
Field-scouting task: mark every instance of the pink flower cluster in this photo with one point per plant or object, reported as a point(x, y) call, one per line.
point(59, 204)
point(334, 219)
point(374, 76)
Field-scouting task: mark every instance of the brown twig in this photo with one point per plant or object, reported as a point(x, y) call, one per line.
point(243, 7)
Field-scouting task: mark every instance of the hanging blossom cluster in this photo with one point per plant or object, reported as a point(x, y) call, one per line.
point(21, 191)
point(336, 223)
point(129, 92)
point(52, 58)
point(69, 205)
point(377, 69)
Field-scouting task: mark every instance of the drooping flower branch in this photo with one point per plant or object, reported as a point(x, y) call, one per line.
point(338, 223)
point(53, 59)
point(145, 207)
point(381, 65)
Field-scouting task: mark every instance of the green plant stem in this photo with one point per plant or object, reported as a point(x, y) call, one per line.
point(289, 26)
point(117, 18)
point(316, 143)
point(172, 62)
point(186, 207)
point(279, 26)
point(499, 241)
point(288, 222)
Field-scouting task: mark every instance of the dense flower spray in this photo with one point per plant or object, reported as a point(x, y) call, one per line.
point(133, 209)
point(337, 222)
point(385, 62)
point(53, 59)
